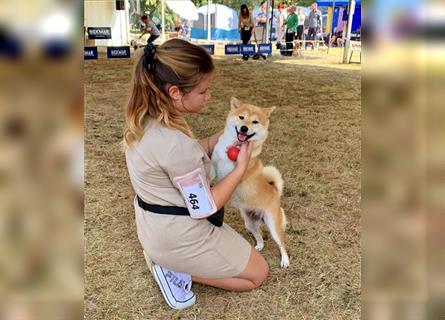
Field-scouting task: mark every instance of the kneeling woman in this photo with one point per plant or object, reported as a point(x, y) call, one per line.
point(179, 217)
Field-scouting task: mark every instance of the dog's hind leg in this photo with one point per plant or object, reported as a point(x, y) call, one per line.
point(253, 221)
point(276, 225)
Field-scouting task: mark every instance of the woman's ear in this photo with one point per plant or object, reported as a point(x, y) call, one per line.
point(174, 93)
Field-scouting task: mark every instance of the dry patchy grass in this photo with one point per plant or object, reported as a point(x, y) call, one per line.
point(315, 143)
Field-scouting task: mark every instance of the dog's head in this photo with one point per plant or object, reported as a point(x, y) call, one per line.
point(248, 122)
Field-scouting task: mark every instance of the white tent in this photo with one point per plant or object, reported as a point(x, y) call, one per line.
point(185, 8)
point(225, 17)
point(223, 23)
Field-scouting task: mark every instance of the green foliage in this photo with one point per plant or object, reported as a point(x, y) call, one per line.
point(300, 3)
point(155, 9)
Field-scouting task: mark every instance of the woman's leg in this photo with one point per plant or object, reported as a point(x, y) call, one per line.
point(289, 43)
point(299, 32)
point(152, 38)
point(245, 37)
point(252, 277)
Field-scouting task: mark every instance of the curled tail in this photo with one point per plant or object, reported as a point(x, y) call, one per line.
point(274, 178)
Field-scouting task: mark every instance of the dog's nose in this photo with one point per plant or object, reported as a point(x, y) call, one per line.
point(244, 129)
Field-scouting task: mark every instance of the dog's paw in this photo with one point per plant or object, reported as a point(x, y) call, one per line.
point(259, 246)
point(284, 262)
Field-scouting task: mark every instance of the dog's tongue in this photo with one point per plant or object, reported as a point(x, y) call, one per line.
point(242, 137)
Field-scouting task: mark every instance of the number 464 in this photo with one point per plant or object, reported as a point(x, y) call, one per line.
point(193, 201)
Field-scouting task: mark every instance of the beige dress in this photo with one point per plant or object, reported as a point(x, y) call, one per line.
point(179, 243)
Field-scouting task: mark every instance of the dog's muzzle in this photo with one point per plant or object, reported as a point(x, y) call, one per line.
point(243, 136)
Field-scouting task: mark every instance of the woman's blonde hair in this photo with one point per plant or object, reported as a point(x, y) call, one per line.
point(175, 62)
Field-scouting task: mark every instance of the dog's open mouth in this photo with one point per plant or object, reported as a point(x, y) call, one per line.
point(242, 137)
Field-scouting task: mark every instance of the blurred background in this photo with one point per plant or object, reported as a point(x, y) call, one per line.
point(403, 157)
point(41, 160)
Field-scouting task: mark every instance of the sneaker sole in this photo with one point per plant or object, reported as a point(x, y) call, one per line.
point(168, 296)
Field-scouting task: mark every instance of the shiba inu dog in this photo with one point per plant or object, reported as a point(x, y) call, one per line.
point(258, 194)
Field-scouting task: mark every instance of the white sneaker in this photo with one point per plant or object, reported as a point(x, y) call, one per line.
point(175, 287)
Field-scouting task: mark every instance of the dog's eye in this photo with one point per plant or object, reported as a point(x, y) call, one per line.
point(241, 117)
point(254, 122)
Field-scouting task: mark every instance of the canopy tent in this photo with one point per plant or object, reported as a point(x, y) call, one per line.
point(353, 13)
point(340, 13)
point(223, 23)
point(184, 8)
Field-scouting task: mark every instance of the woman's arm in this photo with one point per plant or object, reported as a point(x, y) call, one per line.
point(222, 191)
point(209, 143)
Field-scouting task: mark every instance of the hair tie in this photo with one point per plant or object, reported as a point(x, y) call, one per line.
point(149, 56)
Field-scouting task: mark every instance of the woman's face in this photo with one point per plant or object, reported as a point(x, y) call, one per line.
point(195, 100)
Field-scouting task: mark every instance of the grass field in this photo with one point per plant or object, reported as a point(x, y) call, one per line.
point(314, 141)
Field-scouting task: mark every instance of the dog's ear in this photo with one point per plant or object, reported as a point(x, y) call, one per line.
point(268, 111)
point(234, 103)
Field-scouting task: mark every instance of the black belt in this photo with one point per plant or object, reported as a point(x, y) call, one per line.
point(216, 219)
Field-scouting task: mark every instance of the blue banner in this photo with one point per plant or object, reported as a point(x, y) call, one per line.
point(210, 48)
point(99, 33)
point(118, 52)
point(231, 49)
point(90, 53)
point(248, 49)
point(265, 48)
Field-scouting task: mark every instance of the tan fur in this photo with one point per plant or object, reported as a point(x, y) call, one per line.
point(261, 187)
point(297, 49)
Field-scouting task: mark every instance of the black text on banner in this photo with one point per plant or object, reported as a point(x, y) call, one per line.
point(99, 32)
point(90, 53)
point(118, 52)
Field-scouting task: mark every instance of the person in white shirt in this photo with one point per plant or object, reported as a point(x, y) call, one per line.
point(300, 28)
point(281, 23)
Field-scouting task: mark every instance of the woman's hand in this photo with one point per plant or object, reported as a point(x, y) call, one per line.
point(244, 156)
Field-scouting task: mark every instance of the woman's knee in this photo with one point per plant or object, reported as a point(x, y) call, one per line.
point(263, 272)
point(259, 267)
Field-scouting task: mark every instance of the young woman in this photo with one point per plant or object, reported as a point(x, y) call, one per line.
point(300, 28)
point(245, 26)
point(169, 171)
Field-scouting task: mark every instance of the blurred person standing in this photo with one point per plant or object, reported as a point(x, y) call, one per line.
point(261, 17)
point(261, 21)
point(281, 30)
point(185, 29)
point(300, 28)
point(291, 28)
point(245, 26)
point(315, 22)
point(149, 27)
